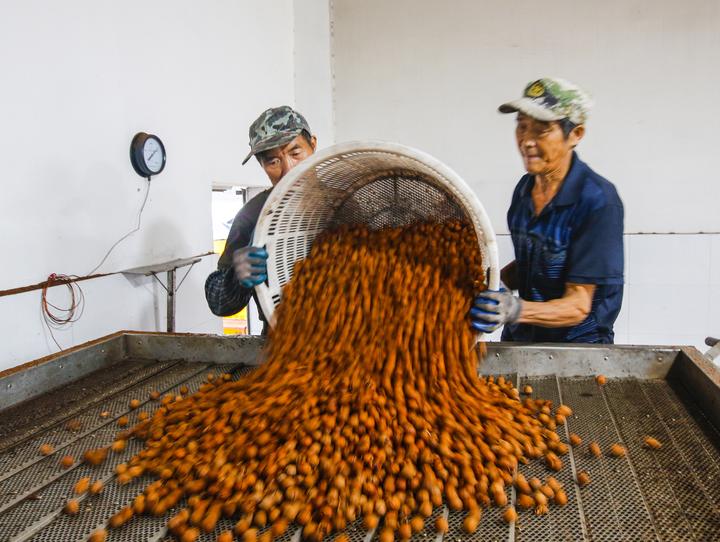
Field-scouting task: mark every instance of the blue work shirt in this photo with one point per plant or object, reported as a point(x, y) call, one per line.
point(578, 237)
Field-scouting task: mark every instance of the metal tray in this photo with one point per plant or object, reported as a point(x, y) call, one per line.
point(672, 393)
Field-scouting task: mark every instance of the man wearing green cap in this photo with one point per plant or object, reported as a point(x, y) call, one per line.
point(566, 223)
point(280, 138)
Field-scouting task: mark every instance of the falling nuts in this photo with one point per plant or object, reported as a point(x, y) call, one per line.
point(279, 445)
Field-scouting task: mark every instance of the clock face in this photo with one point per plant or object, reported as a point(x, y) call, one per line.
point(153, 154)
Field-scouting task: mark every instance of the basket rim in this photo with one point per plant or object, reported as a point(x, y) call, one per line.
point(477, 211)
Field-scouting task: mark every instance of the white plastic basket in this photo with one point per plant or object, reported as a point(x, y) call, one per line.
point(375, 183)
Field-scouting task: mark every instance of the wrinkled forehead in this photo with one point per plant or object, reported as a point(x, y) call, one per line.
point(527, 119)
point(298, 142)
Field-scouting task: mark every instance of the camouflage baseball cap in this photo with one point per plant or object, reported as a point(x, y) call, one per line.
point(275, 127)
point(551, 99)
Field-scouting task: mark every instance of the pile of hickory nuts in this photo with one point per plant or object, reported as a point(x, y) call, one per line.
point(368, 408)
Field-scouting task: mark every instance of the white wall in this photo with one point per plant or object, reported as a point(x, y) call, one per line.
point(78, 80)
point(431, 75)
point(313, 67)
point(672, 289)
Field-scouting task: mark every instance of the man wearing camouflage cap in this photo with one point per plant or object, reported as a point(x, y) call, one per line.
point(280, 138)
point(566, 223)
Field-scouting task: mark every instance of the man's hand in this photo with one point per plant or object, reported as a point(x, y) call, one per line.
point(492, 309)
point(250, 264)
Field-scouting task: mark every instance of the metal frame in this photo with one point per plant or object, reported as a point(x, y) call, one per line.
point(40, 376)
point(672, 393)
point(170, 268)
point(684, 364)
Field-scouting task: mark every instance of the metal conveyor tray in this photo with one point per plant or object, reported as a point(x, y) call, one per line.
point(671, 393)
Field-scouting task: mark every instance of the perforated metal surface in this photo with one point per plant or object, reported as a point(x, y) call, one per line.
point(567, 524)
point(33, 493)
point(613, 505)
point(373, 183)
point(429, 533)
point(25, 419)
point(492, 527)
point(667, 494)
point(89, 422)
point(670, 493)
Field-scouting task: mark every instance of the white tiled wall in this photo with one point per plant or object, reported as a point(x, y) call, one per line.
point(715, 260)
point(471, 64)
point(714, 311)
point(672, 289)
point(669, 293)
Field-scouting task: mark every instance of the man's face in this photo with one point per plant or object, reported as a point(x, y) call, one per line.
point(542, 145)
point(278, 161)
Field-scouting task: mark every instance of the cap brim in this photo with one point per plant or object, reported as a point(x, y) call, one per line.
point(250, 155)
point(275, 141)
point(531, 108)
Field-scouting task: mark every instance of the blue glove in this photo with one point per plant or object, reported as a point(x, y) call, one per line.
point(492, 309)
point(250, 264)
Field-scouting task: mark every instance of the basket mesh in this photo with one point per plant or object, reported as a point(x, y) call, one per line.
point(379, 185)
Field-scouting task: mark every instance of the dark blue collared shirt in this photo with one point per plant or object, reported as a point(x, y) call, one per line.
point(578, 238)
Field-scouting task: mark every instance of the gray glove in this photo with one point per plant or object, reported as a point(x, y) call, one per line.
point(250, 265)
point(492, 309)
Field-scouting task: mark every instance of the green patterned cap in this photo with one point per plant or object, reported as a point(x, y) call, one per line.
point(551, 99)
point(275, 127)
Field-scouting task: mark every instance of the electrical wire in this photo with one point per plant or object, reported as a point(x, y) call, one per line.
point(128, 234)
point(55, 316)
